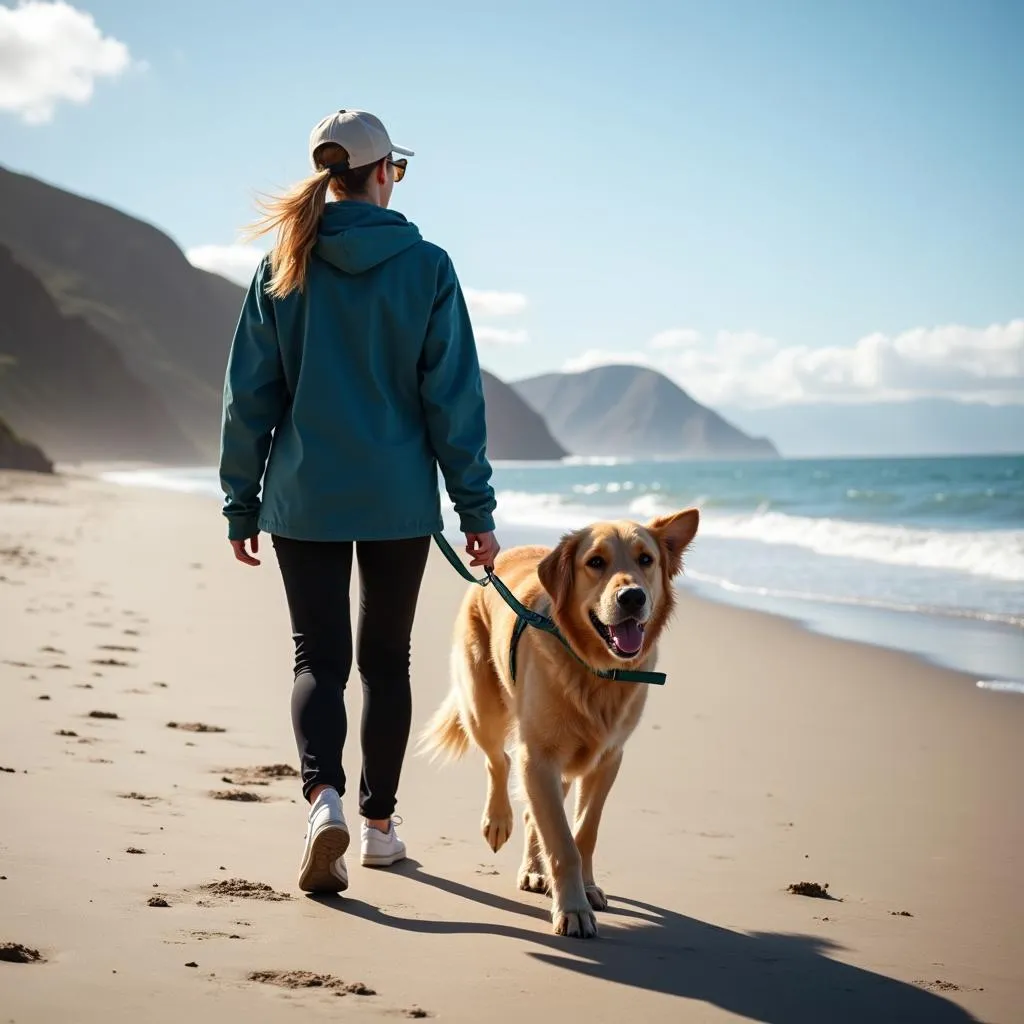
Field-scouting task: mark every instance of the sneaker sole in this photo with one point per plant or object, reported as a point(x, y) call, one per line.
point(381, 860)
point(316, 874)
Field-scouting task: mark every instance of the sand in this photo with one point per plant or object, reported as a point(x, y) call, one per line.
point(772, 757)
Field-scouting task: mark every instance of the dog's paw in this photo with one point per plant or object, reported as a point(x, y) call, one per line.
point(533, 881)
point(574, 924)
point(596, 897)
point(496, 829)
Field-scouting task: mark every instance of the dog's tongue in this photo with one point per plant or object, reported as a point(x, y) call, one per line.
point(628, 636)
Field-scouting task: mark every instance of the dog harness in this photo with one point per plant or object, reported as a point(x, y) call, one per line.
point(528, 617)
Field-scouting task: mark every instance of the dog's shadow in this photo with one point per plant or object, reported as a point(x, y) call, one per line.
point(762, 976)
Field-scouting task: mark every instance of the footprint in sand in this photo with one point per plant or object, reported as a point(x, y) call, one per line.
point(309, 979)
point(195, 727)
point(938, 985)
point(117, 647)
point(139, 796)
point(243, 889)
point(111, 662)
point(16, 953)
point(813, 889)
point(260, 775)
point(110, 715)
point(243, 796)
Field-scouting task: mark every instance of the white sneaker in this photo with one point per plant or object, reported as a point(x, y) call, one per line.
point(323, 860)
point(381, 849)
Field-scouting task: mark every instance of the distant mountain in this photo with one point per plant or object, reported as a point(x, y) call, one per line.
point(17, 453)
point(65, 385)
point(514, 430)
point(636, 412)
point(931, 426)
point(169, 323)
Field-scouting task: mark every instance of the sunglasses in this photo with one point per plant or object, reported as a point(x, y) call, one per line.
point(399, 166)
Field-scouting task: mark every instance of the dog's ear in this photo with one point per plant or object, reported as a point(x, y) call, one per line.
point(674, 533)
point(557, 570)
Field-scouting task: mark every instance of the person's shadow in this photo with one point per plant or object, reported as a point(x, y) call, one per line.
point(767, 977)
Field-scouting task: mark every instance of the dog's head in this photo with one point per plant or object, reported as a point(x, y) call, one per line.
point(611, 585)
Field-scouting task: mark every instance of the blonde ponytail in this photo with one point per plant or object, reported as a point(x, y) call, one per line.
point(296, 218)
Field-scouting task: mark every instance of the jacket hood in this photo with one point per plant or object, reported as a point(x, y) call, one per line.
point(356, 236)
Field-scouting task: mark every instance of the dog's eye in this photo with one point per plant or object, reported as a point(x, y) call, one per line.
point(597, 562)
point(645, 560)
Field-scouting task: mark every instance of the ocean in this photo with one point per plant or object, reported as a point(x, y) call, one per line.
point(924, 555)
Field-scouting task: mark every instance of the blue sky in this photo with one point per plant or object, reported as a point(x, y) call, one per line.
point(774, 202)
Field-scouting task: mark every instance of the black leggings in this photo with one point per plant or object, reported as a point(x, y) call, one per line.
point(316, 581)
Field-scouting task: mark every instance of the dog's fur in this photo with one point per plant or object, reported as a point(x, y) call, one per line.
point(568, 724)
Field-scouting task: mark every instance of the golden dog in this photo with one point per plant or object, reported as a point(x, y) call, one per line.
point(609, 589)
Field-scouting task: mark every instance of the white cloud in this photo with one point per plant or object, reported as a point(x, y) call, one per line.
point(52, 52)
point(675, 338)
point(751, 370)
point(237, 262)
point(484, 303)
point(500, 336)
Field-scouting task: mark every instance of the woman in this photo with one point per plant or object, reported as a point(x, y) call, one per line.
point(352, 376)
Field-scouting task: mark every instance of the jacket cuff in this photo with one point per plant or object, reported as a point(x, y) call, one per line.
point(476, 522)
point(244, 527)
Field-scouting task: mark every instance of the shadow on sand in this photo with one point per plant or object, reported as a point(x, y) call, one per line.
point(767, 977)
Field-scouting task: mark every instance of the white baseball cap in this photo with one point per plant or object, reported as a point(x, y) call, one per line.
point(362, 135)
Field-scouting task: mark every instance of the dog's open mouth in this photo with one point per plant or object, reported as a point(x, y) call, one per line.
point(624, 639)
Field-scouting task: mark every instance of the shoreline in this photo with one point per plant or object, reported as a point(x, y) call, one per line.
point(936, 640)
point(988, 653)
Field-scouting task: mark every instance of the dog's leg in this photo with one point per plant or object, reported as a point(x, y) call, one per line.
point(571, 913)
point(533, 876)
point(593, 791)
point(487, 720)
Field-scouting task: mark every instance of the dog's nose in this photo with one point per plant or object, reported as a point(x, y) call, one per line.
point(631, 599)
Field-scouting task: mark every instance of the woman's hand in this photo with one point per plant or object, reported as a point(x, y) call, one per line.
point(482, 548)
point(238, 546)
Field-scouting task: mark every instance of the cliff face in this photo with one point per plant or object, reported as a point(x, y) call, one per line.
point(514, 429)
point(125, 289)
point(66, 386)
point(16, 453)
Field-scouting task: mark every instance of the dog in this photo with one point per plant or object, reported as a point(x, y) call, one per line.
point(608, 587)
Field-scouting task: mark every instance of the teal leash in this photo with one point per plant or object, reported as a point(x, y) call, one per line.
point(528, 617)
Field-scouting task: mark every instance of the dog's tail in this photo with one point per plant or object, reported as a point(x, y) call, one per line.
point(444, 736)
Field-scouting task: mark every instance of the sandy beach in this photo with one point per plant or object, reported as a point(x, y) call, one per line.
point(772, 756)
